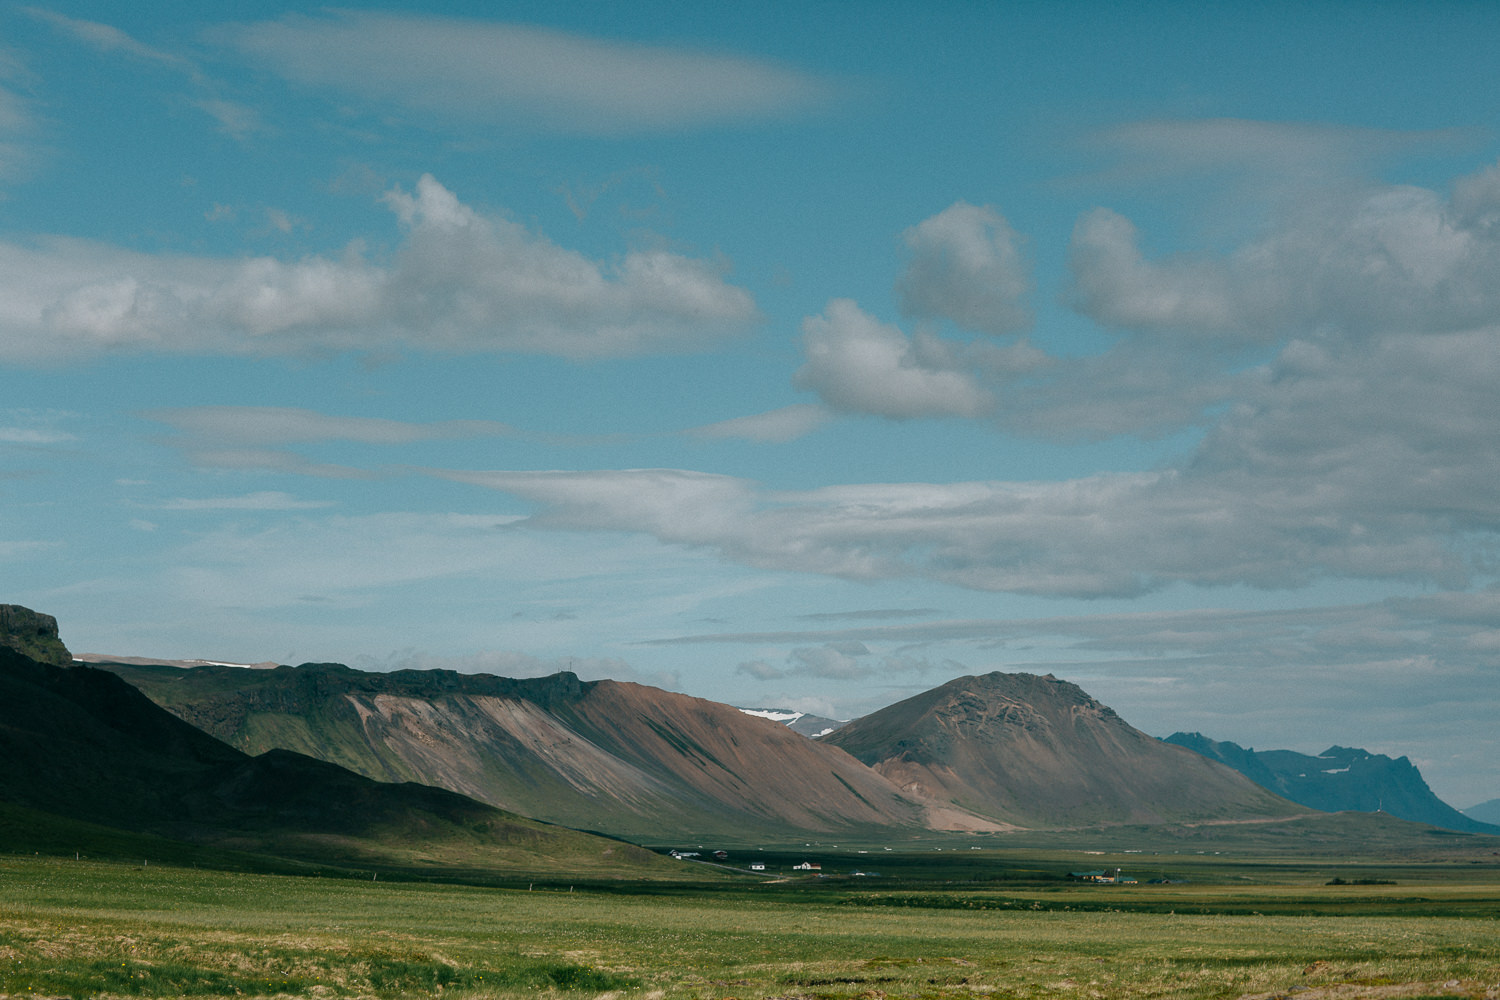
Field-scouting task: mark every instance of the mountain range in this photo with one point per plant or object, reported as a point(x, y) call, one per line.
point(317, 759)
point(992, 753)
point(1339, 779)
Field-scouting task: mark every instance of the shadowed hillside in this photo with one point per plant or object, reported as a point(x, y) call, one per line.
point(81, 744)
point(1039, 752)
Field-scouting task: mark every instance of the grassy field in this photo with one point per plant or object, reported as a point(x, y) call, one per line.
point(84, 928)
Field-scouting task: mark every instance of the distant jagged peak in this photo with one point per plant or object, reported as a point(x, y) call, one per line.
point(33, 634)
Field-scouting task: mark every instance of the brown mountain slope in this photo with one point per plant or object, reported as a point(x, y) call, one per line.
point(78, 744)
point(1039, 752)
point(622, 758)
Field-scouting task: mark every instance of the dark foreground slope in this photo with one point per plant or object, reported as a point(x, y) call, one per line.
point(1039, 752)
point(623, 758)
point(81, 744)
point(1339, 779)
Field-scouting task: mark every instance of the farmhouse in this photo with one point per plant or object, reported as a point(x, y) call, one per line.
point(807, 866)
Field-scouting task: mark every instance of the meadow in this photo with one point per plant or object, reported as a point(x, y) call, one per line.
point(943, 929)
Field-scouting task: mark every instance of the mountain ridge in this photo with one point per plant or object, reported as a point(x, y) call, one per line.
point(1339, 779)
point(611, 755)
point(82, 745)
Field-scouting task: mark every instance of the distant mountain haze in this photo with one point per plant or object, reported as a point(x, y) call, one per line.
point(1485, 812)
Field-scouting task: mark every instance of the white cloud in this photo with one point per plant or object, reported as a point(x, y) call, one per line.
point(460, 283)
point(1382, 259)
point(760, 670)
point(488, 71)
point(1375, 463)
point(694, 508)
point(858, 364)
point(829, 662)
point(966, 265)
point(785, 424)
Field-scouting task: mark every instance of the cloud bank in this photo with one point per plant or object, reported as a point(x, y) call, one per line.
point(459, 283)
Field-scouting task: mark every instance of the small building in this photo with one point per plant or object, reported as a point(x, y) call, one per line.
point(757, 866)
point(807, 866)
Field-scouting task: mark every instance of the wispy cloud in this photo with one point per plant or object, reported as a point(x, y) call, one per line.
point(237, 120)
point(1278, 153)
point(19, 150)
point(490, 71)
point(107, 38)
point(264, 500)
point(280, 425)
point(774, 426)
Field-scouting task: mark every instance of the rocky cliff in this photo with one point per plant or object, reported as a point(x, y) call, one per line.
point(32, 634)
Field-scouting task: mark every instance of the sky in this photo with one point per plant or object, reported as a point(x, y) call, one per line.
point(800, 355)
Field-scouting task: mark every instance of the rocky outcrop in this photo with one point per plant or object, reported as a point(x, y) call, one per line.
point(32, 634)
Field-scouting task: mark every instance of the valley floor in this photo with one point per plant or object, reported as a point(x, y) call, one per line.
point(82, 928)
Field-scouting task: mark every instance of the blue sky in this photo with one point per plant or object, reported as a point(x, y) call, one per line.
point(801, 355)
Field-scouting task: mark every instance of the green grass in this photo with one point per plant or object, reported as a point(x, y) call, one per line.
point(94, 929)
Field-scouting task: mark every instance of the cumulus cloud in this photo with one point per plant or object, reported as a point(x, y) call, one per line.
point(459, 283)
point(760, 670)
point(1374, 463)
point(831, 662)
point(856, 363)
point(966, 266)
point(489, 71)
point(1377, 260)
